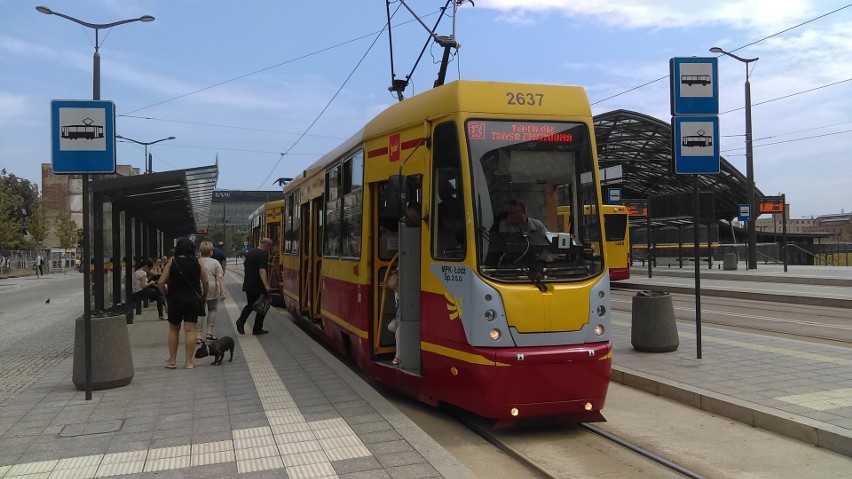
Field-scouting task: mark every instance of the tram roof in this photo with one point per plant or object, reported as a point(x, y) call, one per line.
point(175, 202)
point(639, 143)
point(642, 146)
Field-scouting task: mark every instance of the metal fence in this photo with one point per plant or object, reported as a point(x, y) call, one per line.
point(18, 262)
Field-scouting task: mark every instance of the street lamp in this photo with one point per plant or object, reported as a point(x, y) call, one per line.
point(96, 59)
point(96, 95)
point(148, 163)
point(751, 256)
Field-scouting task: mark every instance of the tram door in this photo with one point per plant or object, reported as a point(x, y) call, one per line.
point(317, 219)
point(384, 249)
point(305, 255)
point(399, 237)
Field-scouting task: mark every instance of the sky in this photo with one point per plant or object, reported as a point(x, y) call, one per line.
point(266, 87)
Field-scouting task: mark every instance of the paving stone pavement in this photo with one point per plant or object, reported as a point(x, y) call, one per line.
point(284, 408)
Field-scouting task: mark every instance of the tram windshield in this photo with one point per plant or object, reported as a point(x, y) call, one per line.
point(534, 197)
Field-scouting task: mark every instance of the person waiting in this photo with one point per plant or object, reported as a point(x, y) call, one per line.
point(143, 287)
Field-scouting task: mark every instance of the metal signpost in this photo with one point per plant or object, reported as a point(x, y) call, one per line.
point(86, 159)
point(775, 205)
point(695, 138)
point(83, 142)
point(640, 209)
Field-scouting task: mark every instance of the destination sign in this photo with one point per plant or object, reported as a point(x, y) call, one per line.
point(771, 204)
point(516, 131)
point(636, 208)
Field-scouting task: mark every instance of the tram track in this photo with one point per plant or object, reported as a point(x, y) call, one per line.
point(493, 437)
point(483, 428)
point(673, 441)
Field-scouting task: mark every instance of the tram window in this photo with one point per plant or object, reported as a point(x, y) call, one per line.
point(288, 225)
point(448, 223)
point(352, 214)
point(353, 179)
point(344, 192)
point(333, 211)
point(295, 232)
point(353, 172)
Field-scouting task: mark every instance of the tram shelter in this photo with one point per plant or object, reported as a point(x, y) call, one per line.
point(140, 216)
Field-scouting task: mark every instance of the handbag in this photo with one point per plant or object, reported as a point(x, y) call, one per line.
point(261, 304)
point(201, 304)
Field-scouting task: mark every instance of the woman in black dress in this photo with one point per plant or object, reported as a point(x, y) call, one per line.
point(184, 283)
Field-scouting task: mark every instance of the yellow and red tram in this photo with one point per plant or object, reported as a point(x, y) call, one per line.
point(617, 241)
point(507, 319)
point(266, 222)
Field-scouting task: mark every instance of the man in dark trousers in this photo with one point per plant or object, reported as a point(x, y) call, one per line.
point(255, 284)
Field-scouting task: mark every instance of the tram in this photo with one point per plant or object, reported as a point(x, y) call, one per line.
point(617, 241)
point(497, 318)
point(266, 222)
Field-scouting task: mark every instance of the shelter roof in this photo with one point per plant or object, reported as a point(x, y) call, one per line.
point(642, 146)
point(176, 202)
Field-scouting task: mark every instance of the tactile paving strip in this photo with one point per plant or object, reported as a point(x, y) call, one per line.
point(822, 400)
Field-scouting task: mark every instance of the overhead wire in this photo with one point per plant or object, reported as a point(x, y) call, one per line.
point(325, 107)
point(295, 59)
point(234, 127)
point(790, 95)
point(792, 140)
point(734, 50)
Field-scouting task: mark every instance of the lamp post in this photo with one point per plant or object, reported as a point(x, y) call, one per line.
point(148, 163)
point(751, 256)
point(96, 95)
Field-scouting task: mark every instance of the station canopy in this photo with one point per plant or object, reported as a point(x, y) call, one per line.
point(642, 146)
point(175, 202)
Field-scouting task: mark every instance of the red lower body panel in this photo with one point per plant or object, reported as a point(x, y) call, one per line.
point(548, 381)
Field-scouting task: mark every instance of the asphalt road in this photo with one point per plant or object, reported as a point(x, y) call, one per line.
point(36, 335)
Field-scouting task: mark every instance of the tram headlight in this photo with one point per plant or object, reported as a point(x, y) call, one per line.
point(601, 294)
point(490, 315)
point(495, 334)
point(599, 329)
point(601, 310)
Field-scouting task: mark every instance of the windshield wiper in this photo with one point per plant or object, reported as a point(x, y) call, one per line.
point(535, 277)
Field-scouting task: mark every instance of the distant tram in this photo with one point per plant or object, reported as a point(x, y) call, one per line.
point(497, 319)
point(617, 241)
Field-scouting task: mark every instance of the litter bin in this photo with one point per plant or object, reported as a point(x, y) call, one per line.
point(653, 328)
point(729, 261)
point(112, 362)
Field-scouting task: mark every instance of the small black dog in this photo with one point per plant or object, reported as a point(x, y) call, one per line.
point(216, 349)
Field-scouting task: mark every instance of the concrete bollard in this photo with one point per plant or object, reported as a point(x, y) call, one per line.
point(653, 328)
point(112, 361)
point(729, 261)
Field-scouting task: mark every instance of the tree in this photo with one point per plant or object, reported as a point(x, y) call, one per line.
point(67, 232)
point(37, 224)
point(19, 198)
